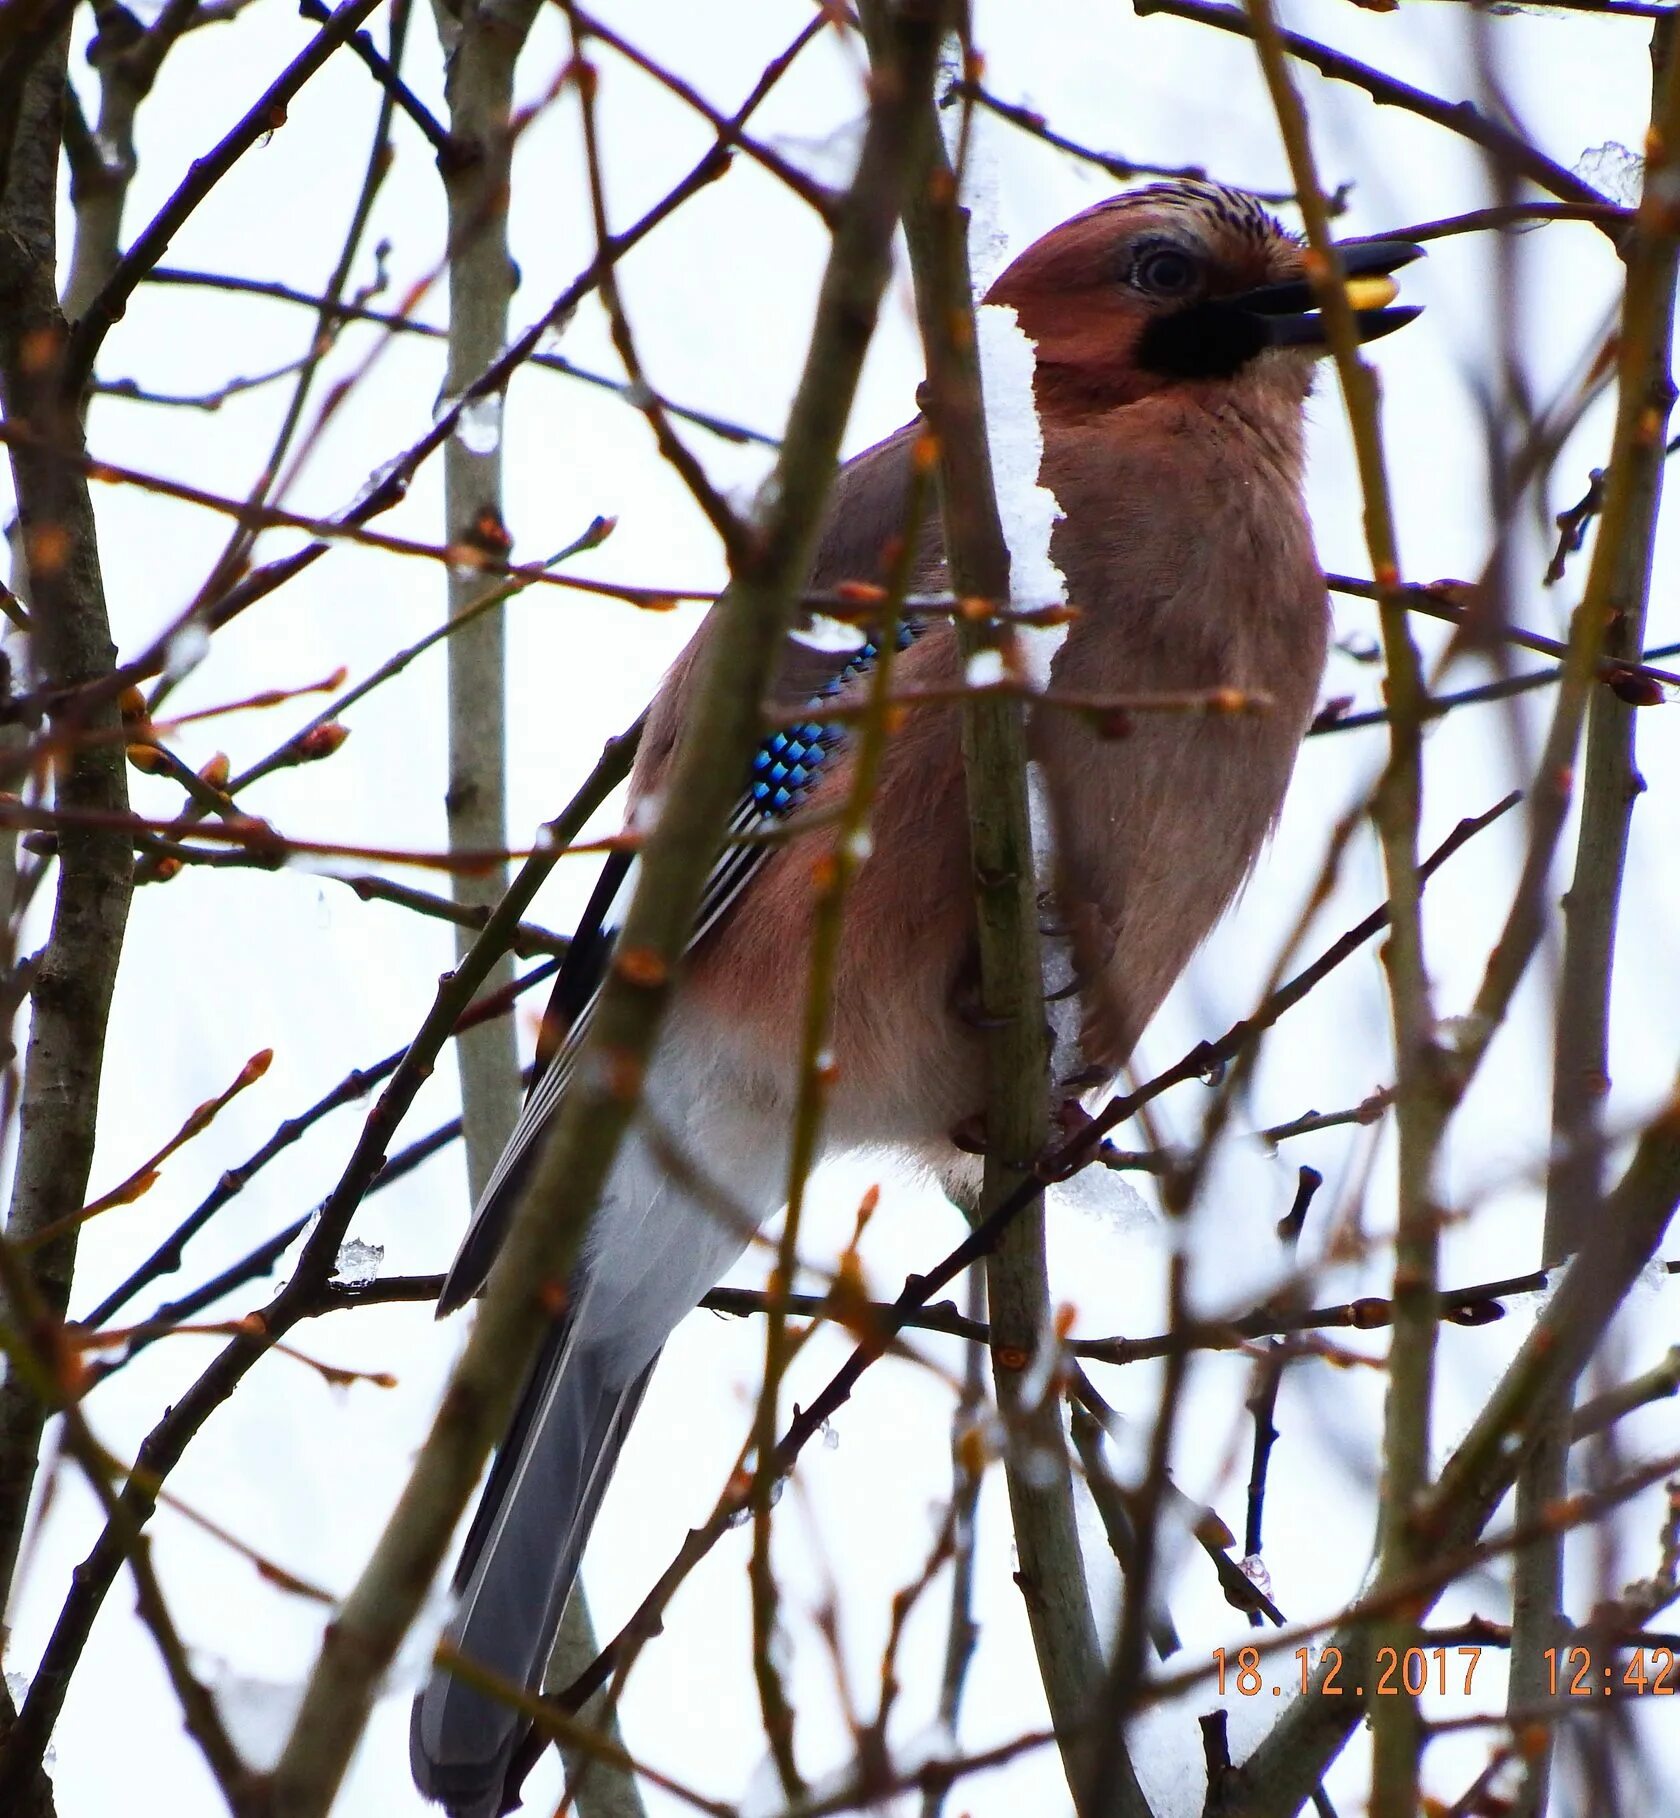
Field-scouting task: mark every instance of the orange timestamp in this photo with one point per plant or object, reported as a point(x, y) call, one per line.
point(1400, 1671)
point(1646, 1673)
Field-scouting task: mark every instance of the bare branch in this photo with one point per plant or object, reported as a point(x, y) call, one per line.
point(1017, 1055)
point(1618, 587)
point(1423, 1099)
point(1504, 145)
point(168, 1440)
point(396, 324)
point(711, 754)
point(106, 305)
point(384, 72)
point(1281, 1772)
point(71, 641)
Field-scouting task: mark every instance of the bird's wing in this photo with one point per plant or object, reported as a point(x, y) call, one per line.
point(784, 770)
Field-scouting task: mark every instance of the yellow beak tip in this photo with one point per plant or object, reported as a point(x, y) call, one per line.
point(1371, 293)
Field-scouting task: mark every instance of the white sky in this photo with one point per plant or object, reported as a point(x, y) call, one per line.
point(228, 962)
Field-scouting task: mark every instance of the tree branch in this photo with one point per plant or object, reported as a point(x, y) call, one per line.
point(106, 305)
point(1507, 147)
point(1012, 991)
point(1281, 1773)
point(711, 755)
point(72, 647)
point(164, 1445)
point(1611, 787)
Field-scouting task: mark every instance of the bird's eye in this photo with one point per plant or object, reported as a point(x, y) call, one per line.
point(1164, 271)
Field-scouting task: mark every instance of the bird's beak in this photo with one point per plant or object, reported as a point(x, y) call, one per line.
point(1286, 315)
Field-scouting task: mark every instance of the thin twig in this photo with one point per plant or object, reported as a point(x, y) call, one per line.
point(400, 324)
point(1618, 588)
point(1629, 686)
point(209, 605)
point(1448, 600)
point(729, 132)
point(550, 1222)
point(967, 1471)
point(719, 513)
point(1263, 1399)
point(1423, 1101)
point(1476, 1305)
point(1292, 1757)
point(210, 401)
point(384, 72)
point(168, 1440)
point(1123, 170)
point(1607, 215)
point(1660, 1383)
point(267, 113)
point(1460, 118)
point(1006, 872)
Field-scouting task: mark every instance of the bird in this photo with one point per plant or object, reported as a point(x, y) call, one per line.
point(1176, 337)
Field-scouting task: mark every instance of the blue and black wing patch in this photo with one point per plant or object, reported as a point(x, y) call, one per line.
point(785, 769)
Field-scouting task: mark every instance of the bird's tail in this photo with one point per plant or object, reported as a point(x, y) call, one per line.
point(517, 1567)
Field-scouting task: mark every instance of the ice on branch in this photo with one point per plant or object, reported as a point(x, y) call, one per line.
point(1615, 171)
point(357, 1264)
point(257, 1714)
point(1097, 1193)
point(479, 427)
point(17, 1687)
point(186, 649)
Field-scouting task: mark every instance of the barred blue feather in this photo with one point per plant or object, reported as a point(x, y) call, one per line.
point(787, 766)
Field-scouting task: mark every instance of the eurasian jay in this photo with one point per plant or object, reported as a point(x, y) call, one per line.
point(1176, 337)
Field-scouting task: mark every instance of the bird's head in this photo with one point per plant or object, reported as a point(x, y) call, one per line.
point(1183, 285)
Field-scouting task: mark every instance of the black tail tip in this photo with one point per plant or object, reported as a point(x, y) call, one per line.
point(465, 1789)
